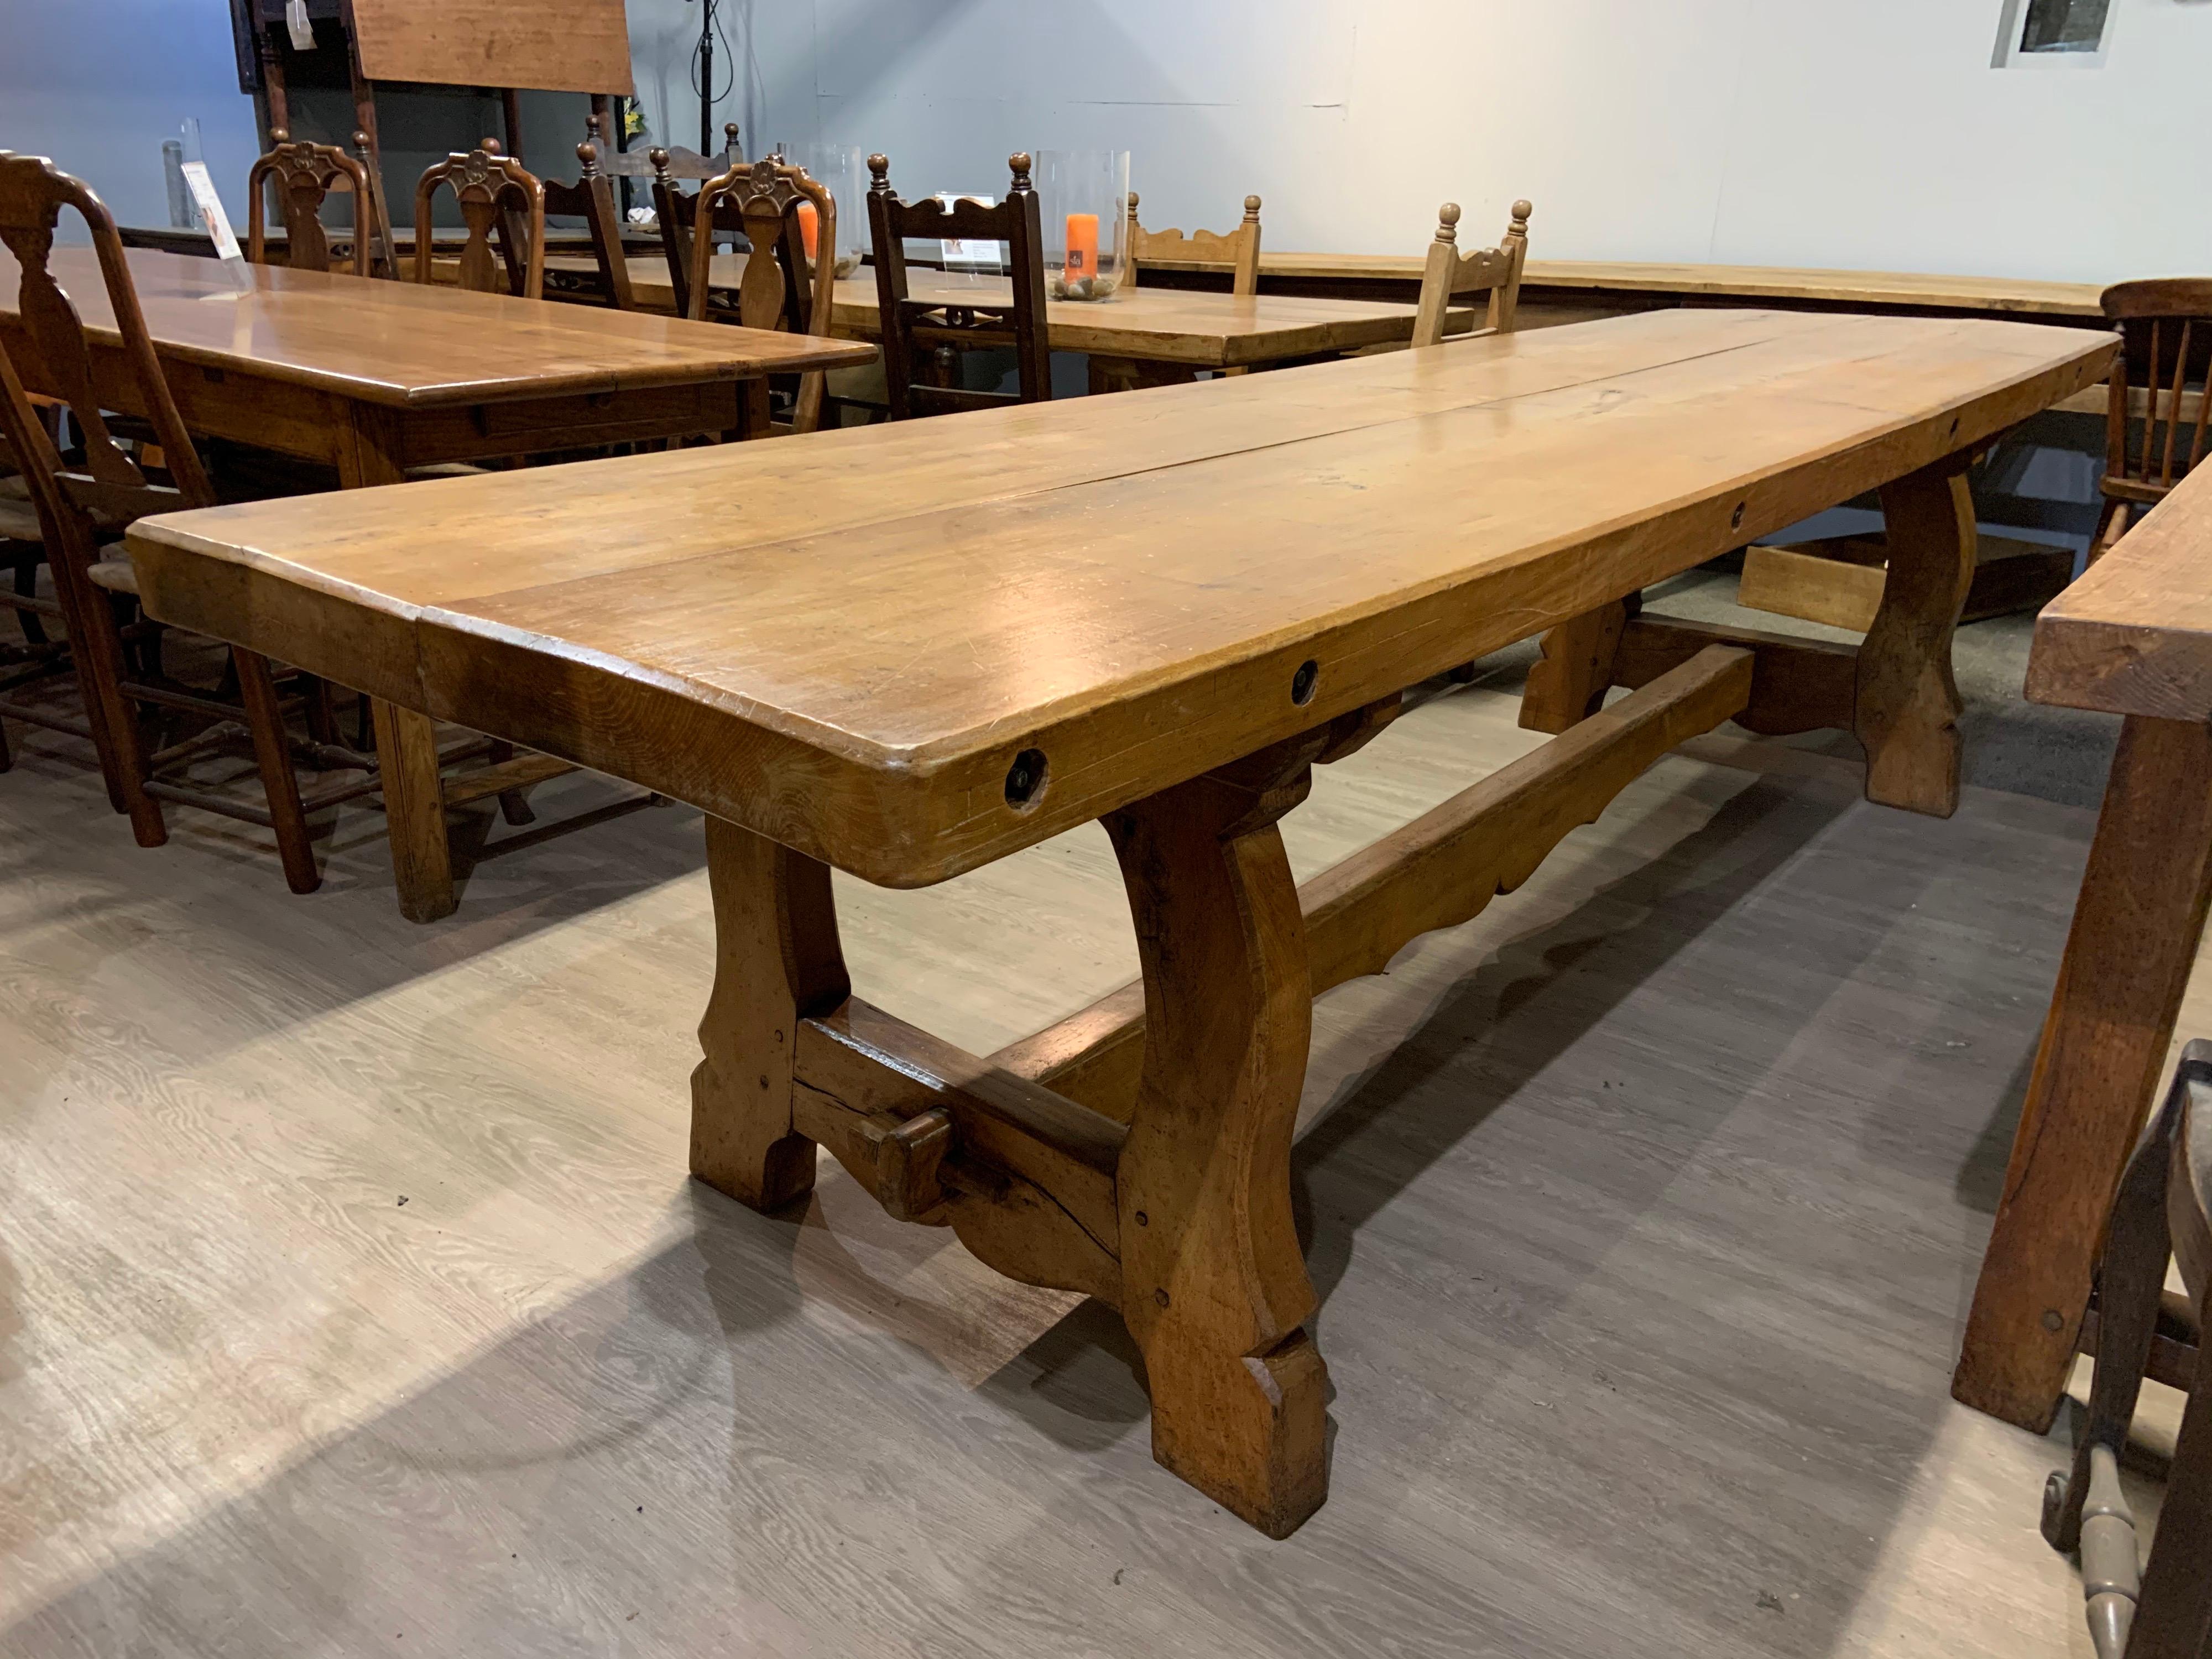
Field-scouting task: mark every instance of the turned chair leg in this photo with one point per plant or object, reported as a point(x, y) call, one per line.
point(777, 960)
point(1215, 1286)
point(2084, 1509)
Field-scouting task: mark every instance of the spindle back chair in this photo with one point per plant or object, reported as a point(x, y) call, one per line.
point(2157, 388)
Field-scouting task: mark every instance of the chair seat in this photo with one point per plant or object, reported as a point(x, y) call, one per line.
point(115, 575)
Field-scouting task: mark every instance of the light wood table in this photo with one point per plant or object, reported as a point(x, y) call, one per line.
point(1146, 324)
point(373, 377)
point(2133, 637)
point(922, 647)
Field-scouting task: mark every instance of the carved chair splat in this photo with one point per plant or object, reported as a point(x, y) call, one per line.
point(305, 175)
point(498, 198)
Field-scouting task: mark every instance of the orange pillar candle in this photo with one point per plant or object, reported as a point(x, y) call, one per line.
point(1082, 246)
point(810, 228)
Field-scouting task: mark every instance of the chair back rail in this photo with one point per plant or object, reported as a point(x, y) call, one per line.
point(592, 198)
point(1239, 249)
point(1451, 274)
point(946, 328)
point(305, 175)
point(499, 198)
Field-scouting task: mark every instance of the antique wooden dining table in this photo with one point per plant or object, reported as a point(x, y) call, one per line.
point(907, 650)
point(1157, 327)
point(375, 378)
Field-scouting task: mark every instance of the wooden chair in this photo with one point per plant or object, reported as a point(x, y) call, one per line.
point(2164, 1210)
point(784, 286)
point(43, 655)
point(1450, 274)
point(1166, 249)
point(82, 508)
point(498, 198)
point(305, 175)
point(937, 331)
point(592, 198)
point(2165, 332)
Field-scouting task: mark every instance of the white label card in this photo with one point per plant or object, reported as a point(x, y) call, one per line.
point(218, 223)
point(296, 25)
point(971, 256)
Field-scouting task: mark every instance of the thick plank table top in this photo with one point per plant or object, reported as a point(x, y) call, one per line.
point(1874, 289)
point(407, 346)
point(2134, 635)
point(844, 641)
point(1153, 324)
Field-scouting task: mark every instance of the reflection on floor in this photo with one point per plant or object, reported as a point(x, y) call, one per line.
point(353, 1297)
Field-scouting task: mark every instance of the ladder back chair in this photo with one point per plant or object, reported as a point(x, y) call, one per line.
point(2162, 1610)
point(1451, 274)
point(499, 198)
point(305, 176)
point(2158, 387)
point(85, 507)
point(1239, 249)
point(592, 198)
point(937, 330)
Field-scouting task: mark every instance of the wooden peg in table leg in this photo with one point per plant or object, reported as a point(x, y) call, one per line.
point(777, 959)
point(1568, 684)
point(1908, 702)
point(1217, 1294)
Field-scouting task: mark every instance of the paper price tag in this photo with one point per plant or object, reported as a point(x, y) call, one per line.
point(297, 26)
point(970, 256)
point(210, 206)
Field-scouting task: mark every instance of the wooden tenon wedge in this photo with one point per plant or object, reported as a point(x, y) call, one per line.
point(925, 646)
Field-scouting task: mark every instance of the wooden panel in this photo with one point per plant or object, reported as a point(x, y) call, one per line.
point(1810, 583)
point(406, 344)
point(552, 46)
point(1129, 586)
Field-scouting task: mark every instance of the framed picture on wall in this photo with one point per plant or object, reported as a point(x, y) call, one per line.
point(2052, 34)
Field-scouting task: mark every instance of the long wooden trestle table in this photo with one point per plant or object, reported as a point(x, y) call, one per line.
point(908, 651)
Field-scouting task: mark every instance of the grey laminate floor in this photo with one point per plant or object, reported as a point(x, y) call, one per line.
point(353, 1298)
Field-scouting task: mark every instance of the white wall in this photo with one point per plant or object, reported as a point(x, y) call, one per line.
point(98, 88)
point(1872, 134)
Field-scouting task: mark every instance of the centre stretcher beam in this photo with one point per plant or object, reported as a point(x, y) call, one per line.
point(1438, 870)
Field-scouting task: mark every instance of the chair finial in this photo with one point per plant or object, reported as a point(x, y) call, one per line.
point(1521, 209)
point(1133, 205)
point(1251, 207)
point(1019, 162)
point(1448, 223)
point(729, 146)
point(489, 147)
point(587, 154)
point(360, 142)
point(879, 172)
point(279, 137)
point(659, 157)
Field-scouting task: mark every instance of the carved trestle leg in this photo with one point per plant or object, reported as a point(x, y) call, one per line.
point(1215, 1287)
point(776, 959)
point(1907, 716)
